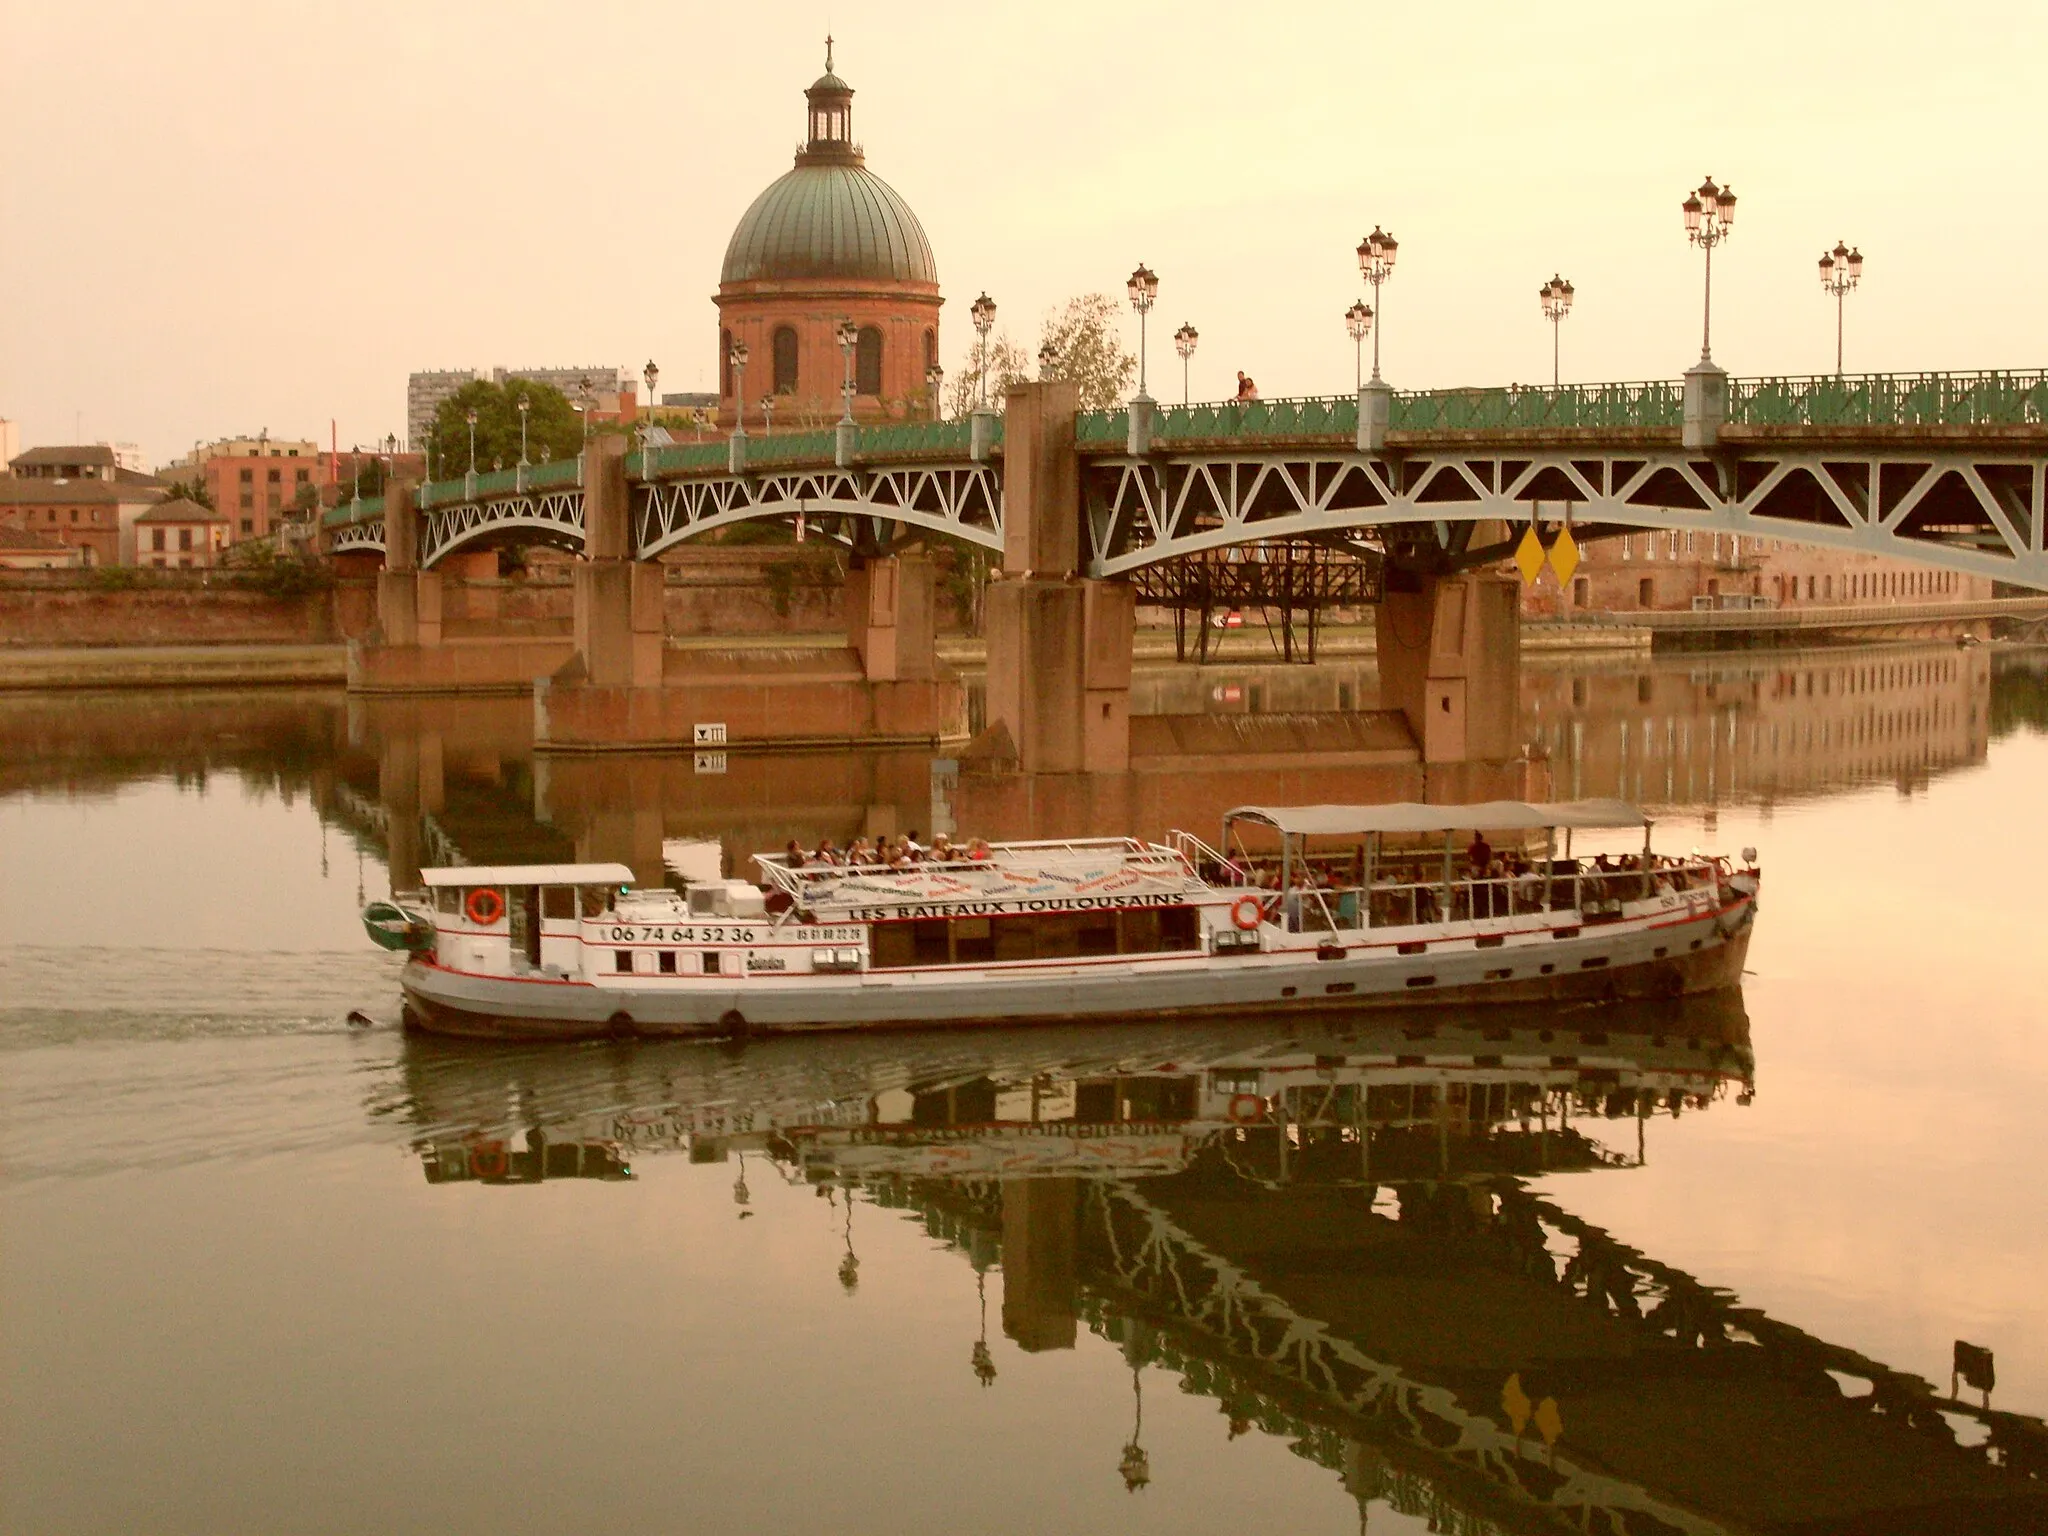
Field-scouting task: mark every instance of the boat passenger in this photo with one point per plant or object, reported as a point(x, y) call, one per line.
point(794, 855)
point(826, 855)
point(860, 851)
point(1479, 854)
point(978, 851)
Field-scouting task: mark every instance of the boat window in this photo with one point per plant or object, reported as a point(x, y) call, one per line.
point(447, 899)
point(893, 944)
point(667, 963)
point(622, 959)
point(711, 962)
point(1180, 928)
point(1139, 931)
point(558, 901)
point(928, 937)
point(596, 899)
point(973, 940)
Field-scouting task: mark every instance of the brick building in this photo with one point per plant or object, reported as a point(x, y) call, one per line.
point(79, 495)
point(253, 481)
point(1670, 570)
point(24, 549)
point(826, 243)
point(180, 535)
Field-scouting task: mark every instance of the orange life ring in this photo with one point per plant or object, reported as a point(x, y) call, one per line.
point(484, 906)
point(487, 1160)
point(1246, 1108)
point(1246, 912)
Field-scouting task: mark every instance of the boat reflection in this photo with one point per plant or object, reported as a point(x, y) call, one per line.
point(1333, 1233)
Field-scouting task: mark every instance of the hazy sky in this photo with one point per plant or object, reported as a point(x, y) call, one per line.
point(218, 216)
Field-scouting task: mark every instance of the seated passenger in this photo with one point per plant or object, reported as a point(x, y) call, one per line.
point(826, 854)
point(1479, 853)
point(943, 851)
point(794, 855)
point(979, 852)
point(860, 851)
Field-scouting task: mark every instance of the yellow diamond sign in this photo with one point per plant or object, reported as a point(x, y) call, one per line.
point(1564, 556)
point(1529, 556)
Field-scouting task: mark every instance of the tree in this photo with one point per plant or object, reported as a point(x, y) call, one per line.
point(551, 423)
point(1085, 348)
point(191, 490)
point(1081, 339)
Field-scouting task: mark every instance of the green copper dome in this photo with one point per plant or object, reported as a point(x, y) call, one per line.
point(832, 220)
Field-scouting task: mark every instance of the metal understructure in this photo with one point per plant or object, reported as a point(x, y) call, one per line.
point(963, 501)
point(1290, 583)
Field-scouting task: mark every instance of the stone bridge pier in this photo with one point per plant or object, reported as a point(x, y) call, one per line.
point(1059, 643)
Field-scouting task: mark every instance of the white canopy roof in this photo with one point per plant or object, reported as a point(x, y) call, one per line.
point(528, 874)
point(1405, 816)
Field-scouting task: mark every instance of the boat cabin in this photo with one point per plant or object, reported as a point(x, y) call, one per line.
point(499, 919)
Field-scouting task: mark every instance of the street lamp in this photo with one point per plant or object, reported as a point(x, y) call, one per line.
point(1556, 298)
point(983, 313)
point(849, 339)
point(525, 405)
point(768, 415)
point(1048, 360)
point(650, 373)
point(934, 376)
point(1709, 216)
point(1143, 288)
point(738, 358)
point(1840, 271)
point(1184, 341)
point(1358, 322)
point(472, 439)
point(1376, 264)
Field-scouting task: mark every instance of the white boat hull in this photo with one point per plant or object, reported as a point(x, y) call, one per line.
point(1676, 956)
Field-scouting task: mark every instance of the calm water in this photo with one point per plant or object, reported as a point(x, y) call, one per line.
point(263, 1272)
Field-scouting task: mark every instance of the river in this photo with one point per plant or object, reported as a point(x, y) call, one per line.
point(266, 1271)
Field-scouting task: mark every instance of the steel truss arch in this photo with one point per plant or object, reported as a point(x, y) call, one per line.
point(1981, 513)
point(963, 501)
point(556, 517)
point(364, 538)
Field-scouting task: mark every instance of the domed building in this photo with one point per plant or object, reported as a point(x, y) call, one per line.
point(829, 242)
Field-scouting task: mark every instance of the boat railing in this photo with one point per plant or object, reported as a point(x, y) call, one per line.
point(1591, 893)
point(1210, 865)
point(801, 880)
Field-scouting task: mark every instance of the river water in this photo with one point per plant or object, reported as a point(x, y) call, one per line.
point(265, 1271)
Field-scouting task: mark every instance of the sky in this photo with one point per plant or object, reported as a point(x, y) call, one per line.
point(218, 216)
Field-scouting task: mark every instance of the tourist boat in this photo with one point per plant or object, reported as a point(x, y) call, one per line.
point(1316, 909)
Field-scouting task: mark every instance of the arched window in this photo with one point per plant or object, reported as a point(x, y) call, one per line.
point(785, 360)
point(725, 362)
point(931, 349)
point(867, 362)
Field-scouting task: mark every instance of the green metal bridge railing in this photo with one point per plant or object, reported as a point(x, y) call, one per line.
point(1995, 398)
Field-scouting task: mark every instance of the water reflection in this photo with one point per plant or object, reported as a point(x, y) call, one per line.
point(1330, 1233)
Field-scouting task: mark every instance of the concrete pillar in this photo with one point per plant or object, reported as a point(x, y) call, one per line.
point(1039, 1220)
point(1059, 646)
point(1450, 661)
point(891, 619)
point(619, 623)
point(397, 588)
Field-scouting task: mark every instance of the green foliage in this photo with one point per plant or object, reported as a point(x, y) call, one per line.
point(191, 490)
point(552, 423)
point(118, 578)
point(1082, 340)
point(260, 566)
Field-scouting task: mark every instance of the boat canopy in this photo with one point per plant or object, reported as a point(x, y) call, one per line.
point(1405, 816)
point(527, 874)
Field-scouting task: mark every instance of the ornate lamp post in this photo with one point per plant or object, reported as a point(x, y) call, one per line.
point(738, 359)
point(1143, 287)
point(1358, 323)
point(650, 373)
point(983, 313)
point(1048, 361)
point(1376, 254)
point(1709, 216)
point(525, 405)
point(849, 339)
point(934, 377)
point(767, 415)
point(1840, 271)
point(1556, 298)
point(1184, 341)
point(471, 418)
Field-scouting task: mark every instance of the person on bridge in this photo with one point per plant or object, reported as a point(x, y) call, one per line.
point(1246, 389)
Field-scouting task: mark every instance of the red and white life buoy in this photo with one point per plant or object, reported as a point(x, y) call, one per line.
point(1246, 912)
point(484, 906)
point(1245, 1108)
point(487, 1160)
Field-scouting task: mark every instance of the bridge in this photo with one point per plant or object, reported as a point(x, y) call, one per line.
point(1946, 470)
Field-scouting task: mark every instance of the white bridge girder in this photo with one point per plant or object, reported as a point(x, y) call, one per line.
point(1978, 512)
point(963, 501)
point(555, 517)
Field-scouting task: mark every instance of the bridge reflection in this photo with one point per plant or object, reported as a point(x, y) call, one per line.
point(1331, 1231)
